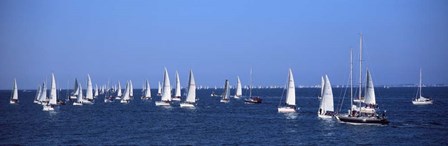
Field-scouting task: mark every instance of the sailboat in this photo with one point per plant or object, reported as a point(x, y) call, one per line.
point(96, 93)
point(147, 91)
point(127, 93)
point(89, 93)
point(252, 99)
point(43, 96)
point(79, 99)
point(191, 95)
point(53, 96)
point(326, 108)
point(159, 90)
point(131, 89)
point(75, 92)
point(15, 94)
point(119, 94)
point(166, 92)
point(239, 89)
point(290, 96)
point(226, 94)
point(365, 110)
point(419, 99)
point(38, 93)
point(177, 92)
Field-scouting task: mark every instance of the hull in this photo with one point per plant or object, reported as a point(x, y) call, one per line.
point(87, 102)
point(286, 110)
point(118, 98)
point(421, 102)
point(237, 97)
point(107, 100)
point(162, 103)
point(224, 100)
point(13, 101)
point(48, 108)
point(324, 116)
point(176, 99)
point(363, 120)
point(253, 100)
point(77, 103)
point(124, 101)
point(35, 101)
point(187, 105)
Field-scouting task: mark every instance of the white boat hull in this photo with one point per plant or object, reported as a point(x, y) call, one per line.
point(187, 105)
point(48, 108)
point(421, 102)
point(286, 110)
point(77, 103)
point(13, 102)
point(324, 116)
point(162, 103)
point(35, 101)
point(124, 101)
point(225, 100)
point(176, 99)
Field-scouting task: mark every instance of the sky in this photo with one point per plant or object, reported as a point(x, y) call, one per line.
point(118, 40)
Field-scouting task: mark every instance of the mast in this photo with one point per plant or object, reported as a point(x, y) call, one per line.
point(420, 84)
point(351, 79)
point(360, 67)
point(250, 86)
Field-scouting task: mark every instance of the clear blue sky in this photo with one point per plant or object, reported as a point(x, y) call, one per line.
point(121, 40)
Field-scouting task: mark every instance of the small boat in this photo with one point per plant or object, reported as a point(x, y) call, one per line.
point(15, 94)
point(166, 92)
point(252, 99)
point(326, 108)
point(53, 96)
point(38, 94)
point(43, 96)
point(239, 89)
point(226, 94)
point(126, 95)
point(79, 100)
point(131, 89)
point(97, 92)
point(420, 100)
point(146, 91)
point(290, 105)
point(75, 92)
point(159, 90)
point(88, 99)
point(119, 94)
point(177, 92)
point(190, 101)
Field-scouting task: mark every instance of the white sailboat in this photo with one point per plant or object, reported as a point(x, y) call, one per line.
point(89, 93)
point(147, 91)
point(38, 93)
point(239, 89)
point(53, 96)
point(326, 108)
point(131, 89)
point(15, 94)
point(226, 94)
point(177, 94)
point(119, 94)
point(166, 92)
point(75, 92)
point(290, 96)
point(191, 95)
point(79, 98)
point(127, 93)
point(419, 99)
point(159, 90)
point(43, 96)
point(96, 93)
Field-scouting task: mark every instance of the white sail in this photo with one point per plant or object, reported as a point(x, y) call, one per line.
point(166, 92)
point(38, 93)
point(191, 97)
point(147, 90)
point(15, 93)
point(239, 90)
point(96, 91)
point(76, 89)
point(126, 94)
point(322, 86)
point(327, 97)
point(79, 97)
point(291, 90)
point(131, 89)
point(226, 93)
point(178, 94)
point(119, 94)
point(53, 94)
point(159, 90)
point(89, 92)
point(43, 95)
point(370, 90)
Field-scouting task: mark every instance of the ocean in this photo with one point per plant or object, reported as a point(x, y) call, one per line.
point(214, 123)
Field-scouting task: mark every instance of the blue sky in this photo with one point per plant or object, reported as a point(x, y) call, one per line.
point(135, 40)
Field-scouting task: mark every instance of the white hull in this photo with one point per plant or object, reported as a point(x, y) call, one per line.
point(286, 110)
point(77, 103)
point(35, 101)
point(48, 108)
point(12, 102)
point(421, 102)
point(237, 97)
point(107, 100)
point(176, 99)
point(73, 97)
point(225, 100)
point(162, 103)
point(117, 98)
point(186, 105)
point(324, 116)
point(124, 101)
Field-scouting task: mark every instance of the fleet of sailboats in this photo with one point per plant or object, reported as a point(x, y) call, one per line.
point(290, 103)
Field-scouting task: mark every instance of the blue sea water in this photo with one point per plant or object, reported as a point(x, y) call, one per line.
point(214, 123)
